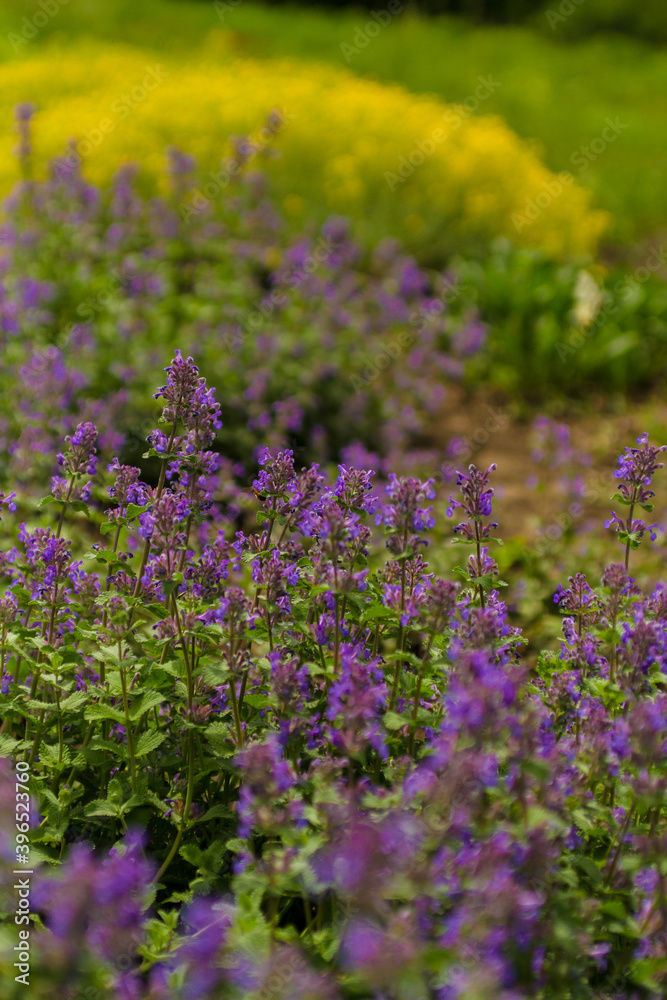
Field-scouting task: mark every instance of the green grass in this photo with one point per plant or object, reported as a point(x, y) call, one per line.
point(559, 95)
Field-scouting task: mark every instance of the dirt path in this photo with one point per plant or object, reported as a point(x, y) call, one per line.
point(490, 431)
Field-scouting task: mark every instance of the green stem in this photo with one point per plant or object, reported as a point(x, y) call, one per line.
point(86, 741)
point(619, 845)
point(415, 710)
point(629, 529)
point(186, 808)
point(128, 724)
point(64, 506)
point(478, 544)
point(401, 637)
point(235, 712)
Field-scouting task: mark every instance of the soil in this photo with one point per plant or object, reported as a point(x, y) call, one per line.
point(492, 432)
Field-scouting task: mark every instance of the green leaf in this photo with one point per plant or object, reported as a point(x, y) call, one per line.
point(632, 539)
point(7, 745)
point(393, 720)
point(49, 753)
point(614, 908)
point(133, 509)
point(224, 812)
point(115, 792)
point(100, 807)
point(218, 734)
point(148, 742)
point(74, 701)
point(643, 973)
point(590, 868)
point(104, 712)
point(404, 657)
point(147, 701)
point(378, 611)
point(208, 861)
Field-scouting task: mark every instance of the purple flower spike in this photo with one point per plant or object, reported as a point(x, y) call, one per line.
point(637, 466)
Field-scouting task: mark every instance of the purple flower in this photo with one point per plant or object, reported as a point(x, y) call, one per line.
point(163, 523)
point(352, 487)
point(637, 466)
point(207, 924)
point(476, 503)
point(406, 513)
point(355, 703)
point(79, 456)
point(127, 487)
point(7, 498)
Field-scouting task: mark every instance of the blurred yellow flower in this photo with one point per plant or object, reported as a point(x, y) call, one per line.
point(345, 144)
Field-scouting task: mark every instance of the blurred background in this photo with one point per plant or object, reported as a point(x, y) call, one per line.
point(480, 186)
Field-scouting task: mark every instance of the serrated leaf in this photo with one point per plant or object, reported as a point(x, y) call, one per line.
point(148, 742)
point(104, 712)
point(100, 807)
point(147, 701)
point(133, 509)
point(590, 868)
point(224, 812)
point(48, 754)
point(393, 720)
point(74, 701)
point(7, 745)
point(377, 611)
point(218, 735)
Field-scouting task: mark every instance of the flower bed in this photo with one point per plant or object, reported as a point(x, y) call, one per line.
point(307, 765)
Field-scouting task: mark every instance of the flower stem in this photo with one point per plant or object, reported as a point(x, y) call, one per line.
point(128, 723)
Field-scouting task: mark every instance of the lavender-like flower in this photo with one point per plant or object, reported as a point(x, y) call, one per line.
point(477, 506)
point(8, 499)
point(476, 503)
point(637, 466)
point(78, 458)
point(276, 475)
point(406, 517)
point(180, 389)
point(356, 700)
point(578, 599)
point(126, 489)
